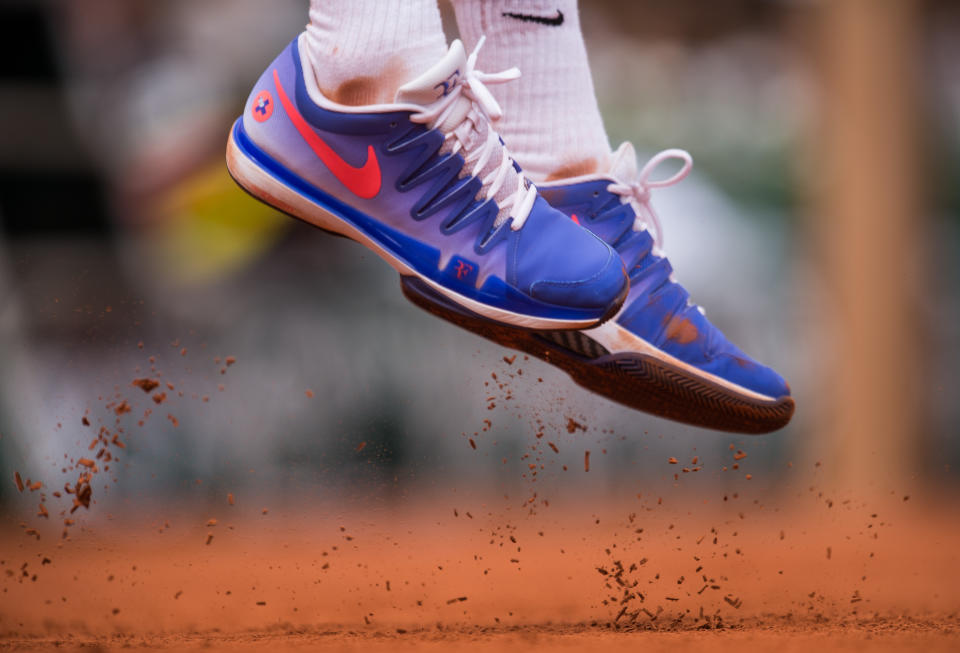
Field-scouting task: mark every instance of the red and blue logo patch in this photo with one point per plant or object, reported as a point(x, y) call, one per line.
point(262, 106)
point(462, 270)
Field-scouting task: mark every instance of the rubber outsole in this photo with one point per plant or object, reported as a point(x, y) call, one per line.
point(637, 381)
point(261, 184)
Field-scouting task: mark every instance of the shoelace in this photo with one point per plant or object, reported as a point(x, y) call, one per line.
point(483, 107)
point(638, 192)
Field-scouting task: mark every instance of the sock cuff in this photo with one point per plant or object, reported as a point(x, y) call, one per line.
point(511, 19)
point(361, 28)
point(363, 50)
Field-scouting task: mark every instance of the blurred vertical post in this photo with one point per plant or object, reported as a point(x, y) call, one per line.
point(867, 220)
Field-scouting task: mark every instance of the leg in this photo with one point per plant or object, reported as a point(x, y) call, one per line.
point(552, 123)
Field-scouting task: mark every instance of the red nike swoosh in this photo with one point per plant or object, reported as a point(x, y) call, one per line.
point(364, 182)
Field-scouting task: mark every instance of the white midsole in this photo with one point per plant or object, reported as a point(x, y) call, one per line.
point(618, 340)
point(274, 192)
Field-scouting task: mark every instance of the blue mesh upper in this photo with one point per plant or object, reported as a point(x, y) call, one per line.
point(658, 309)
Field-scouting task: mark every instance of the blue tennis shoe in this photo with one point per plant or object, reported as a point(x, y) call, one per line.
point(659, 354)
point(426, 183)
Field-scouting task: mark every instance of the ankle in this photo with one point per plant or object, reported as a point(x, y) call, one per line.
point(362, 51)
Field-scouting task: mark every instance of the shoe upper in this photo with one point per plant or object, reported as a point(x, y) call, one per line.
point(435, 184)
point(615, 206)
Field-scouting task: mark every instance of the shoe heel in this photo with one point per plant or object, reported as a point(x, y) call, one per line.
point(259, 183)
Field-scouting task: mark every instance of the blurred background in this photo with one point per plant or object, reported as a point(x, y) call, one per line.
point(820, 230)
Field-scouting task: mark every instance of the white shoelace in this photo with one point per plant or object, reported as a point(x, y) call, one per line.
point(482, 109)
point(638, 192)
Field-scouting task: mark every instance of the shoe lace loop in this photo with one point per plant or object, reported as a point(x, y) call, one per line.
point(468, 107)
point(638, 191)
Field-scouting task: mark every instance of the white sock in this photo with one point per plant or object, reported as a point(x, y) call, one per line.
point(551, 122)
point(362, 51)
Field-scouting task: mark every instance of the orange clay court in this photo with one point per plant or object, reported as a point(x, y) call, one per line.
point(795, 572)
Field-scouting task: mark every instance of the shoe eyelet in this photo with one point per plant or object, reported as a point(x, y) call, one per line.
point(596, 193)
point(393, 125)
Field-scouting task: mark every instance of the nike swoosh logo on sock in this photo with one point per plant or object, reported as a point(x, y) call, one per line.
point(555, 21)
point(364, 182)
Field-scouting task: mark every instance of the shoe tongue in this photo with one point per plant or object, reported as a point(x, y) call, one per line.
point(438, 81)
point(624, 165)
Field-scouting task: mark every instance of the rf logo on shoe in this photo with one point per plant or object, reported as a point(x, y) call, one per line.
point(463, 270)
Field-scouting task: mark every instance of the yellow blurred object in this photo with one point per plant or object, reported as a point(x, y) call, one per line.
point(207, 228)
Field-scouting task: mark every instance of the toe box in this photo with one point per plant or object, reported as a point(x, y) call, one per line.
point(556, 261)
